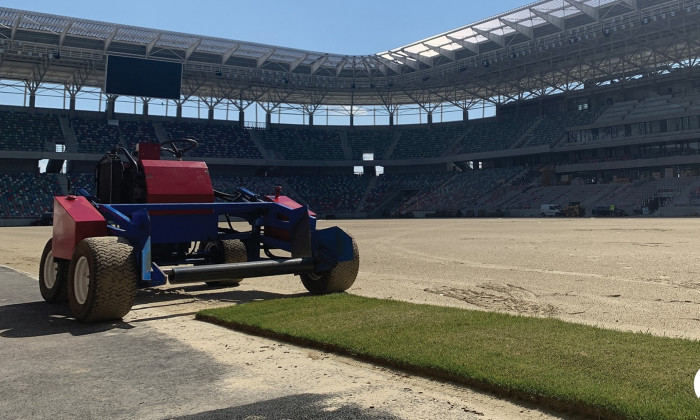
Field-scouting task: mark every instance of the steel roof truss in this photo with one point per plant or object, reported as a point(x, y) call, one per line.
point(525, 30)
point(450, 54)
point(150, 45)
point(263, 58)
point(585, 8)
point(466, 44)
point(632, 4)
point(318, 63)
point(192, 48)
point(110, 38)
point(15, 26)
point(405, 60)
point(385, 64)
point(551, 19)
point(294, 64)
point(340, 66)
point(227, 55)
point(419, 57)
point(64, 33)
point(498, 39)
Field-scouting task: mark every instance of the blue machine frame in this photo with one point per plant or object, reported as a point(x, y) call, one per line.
point(145, 225)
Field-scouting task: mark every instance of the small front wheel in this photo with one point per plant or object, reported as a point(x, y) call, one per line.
point(102, 279)
point(339, 279)
point(227, 251)
point(53, 276)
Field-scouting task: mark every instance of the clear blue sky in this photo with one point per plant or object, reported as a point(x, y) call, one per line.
point(356, 27)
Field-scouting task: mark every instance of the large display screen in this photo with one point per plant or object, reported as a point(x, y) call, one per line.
point(144, 78)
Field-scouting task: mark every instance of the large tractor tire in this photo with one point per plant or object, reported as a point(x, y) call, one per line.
point(102, 279)
point(339, 279)
point(228, 251)
point(53, 276)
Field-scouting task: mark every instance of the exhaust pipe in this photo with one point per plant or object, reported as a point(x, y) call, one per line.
point(204, 273)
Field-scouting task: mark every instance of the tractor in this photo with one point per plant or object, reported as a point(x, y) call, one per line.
point(574, 209)
point(155, 221)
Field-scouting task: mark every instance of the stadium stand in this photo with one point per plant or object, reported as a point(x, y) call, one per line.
point(94, 135)
point(303, 143)
point(134, 132)
point(20, 130)
point(375, 141)
point(459, 192)
point(85, 181)
point(215, 140)
point(27, 195)
point(551, 129)
point(392, 189)
point(422, 142)
point(330, 193)
point(493, 134)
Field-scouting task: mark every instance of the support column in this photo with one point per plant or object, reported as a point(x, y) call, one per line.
point(241, 117)
point(144, 107)
point(391, 118)
point(311, 119)
point(111, 102)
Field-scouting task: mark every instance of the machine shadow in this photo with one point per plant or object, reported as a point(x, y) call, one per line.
point(187, 295)
point(35, 319)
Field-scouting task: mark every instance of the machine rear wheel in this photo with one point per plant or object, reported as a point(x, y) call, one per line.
point(228, 251)
point(102, 279)
point(339, 279)
point(53, 276)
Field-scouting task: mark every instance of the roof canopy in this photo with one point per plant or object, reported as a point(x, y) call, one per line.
point(541, 48)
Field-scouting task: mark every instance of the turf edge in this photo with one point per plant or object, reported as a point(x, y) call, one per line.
point(576, 407)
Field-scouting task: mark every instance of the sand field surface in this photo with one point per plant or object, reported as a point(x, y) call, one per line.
point(632, 274)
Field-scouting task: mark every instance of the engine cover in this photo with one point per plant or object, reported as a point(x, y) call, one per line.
point(177, 182)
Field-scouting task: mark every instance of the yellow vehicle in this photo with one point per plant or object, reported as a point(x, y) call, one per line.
point(574, 209)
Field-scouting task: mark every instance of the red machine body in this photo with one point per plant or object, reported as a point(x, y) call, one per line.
point(288, 202)
point(74, 219)
point(170, 181)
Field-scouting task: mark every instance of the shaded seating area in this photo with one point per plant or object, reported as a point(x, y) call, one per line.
point(552, 128)
point(28, 132)
point(95, 135)
point(427, 142)
point(460, 191)
point(493, 134)
point(215, 140)
point(85, 181)
point(375, 141)
point(303, 143)
point(400, 187)
point(134, 132)
point(330, 193)
point(27, 195)
point(257, 185)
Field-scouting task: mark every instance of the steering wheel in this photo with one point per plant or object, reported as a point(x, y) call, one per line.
point(185, 146)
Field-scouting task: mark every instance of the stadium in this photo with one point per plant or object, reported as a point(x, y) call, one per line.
point(556, 102)
point(443, 158)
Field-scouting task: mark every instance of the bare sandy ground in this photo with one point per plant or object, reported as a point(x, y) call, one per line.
point(621, 273)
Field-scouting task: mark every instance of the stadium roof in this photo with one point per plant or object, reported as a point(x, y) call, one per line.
point(541, 48)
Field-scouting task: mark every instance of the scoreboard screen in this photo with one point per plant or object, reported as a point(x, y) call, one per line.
point(145, 78)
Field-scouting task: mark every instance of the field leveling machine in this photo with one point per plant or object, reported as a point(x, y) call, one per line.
point(155, 221)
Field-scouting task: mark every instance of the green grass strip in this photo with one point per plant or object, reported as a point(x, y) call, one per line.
point(583, 369)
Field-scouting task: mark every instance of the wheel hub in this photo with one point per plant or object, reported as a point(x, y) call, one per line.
point(81, 280)
point(50, 271)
